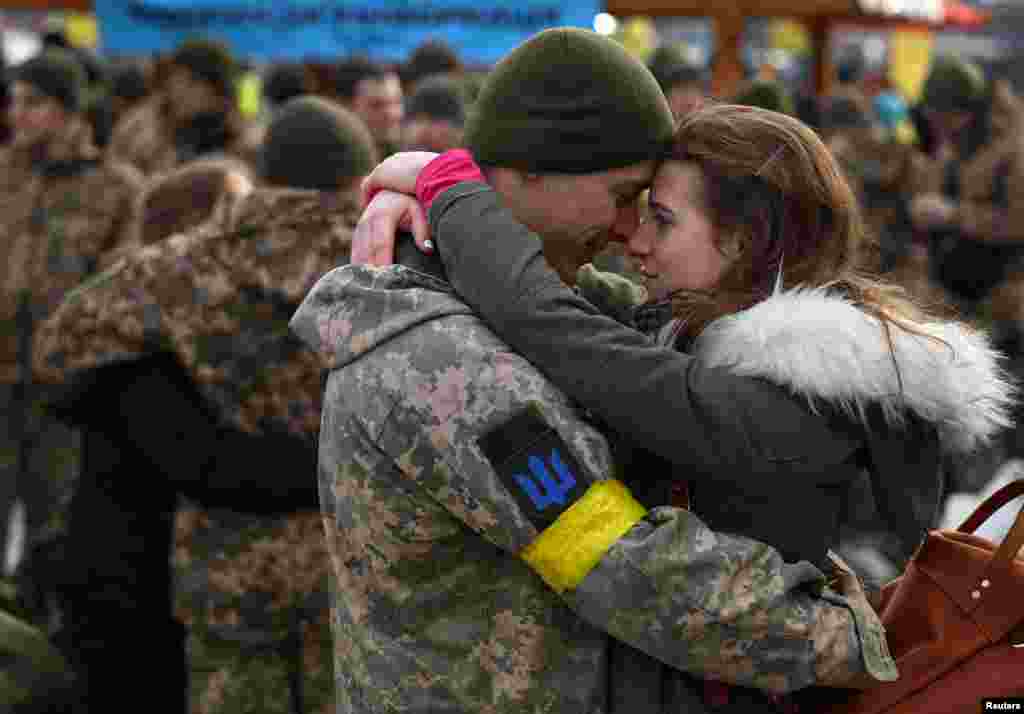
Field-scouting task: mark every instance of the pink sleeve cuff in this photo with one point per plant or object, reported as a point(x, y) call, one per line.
point(442, 173)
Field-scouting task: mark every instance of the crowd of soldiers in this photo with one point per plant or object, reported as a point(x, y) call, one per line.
point(162, 421)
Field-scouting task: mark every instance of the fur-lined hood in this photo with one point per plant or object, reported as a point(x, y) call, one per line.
point(827, 350)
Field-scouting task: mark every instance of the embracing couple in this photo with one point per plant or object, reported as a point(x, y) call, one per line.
point(504, 468)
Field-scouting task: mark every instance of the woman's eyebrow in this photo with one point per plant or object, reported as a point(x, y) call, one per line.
point(630, 188)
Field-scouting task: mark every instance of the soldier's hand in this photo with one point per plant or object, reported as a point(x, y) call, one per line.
point(373, 242)
point(398, 173)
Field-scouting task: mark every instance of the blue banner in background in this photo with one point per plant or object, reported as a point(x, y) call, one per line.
point(482, 31)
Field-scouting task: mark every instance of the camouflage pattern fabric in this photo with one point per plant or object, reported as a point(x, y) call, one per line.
point(56, 229)
point(58, 223)
point(220, 301)
point(254, 594)
point(249, 588)
point(144, 139)
point(436, 611)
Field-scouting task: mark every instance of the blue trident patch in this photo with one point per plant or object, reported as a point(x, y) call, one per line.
point(555, 491)
point(535, 465)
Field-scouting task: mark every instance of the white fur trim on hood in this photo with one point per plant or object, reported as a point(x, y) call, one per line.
point(825, 348)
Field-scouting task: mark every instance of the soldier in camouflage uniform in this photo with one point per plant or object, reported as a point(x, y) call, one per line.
point(486, 554)
point(198, 324)
point(968, 200)
point(879, 169)
point(64, 211)
point(194, 114)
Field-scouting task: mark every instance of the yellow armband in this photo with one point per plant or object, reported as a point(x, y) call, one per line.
point(570, 547)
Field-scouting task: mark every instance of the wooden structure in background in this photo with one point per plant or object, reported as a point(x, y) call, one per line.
point(80, 5)
point(820, 16)
point(729, 17)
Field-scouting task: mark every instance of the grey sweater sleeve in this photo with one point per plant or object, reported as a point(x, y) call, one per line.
point(695, 417)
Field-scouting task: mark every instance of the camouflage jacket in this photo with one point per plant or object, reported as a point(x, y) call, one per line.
point(144, 139)
point(248, 587)
point(58, 220)
point(430, 539)
point(988, 185)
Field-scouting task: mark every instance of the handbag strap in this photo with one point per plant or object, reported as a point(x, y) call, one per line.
point(992, 504)
point(1014, 540)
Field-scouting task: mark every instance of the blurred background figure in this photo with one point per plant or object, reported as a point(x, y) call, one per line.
point(430, 58)
point(129, 86)
point(284, 81)
point(685, 85)
point(434, 115)
point(243, 394)
point(201, 192)
point(193, 113)
point(374, 93)
point(850, 73)
point(968, 200)
point(65, 210)
point(766, 94)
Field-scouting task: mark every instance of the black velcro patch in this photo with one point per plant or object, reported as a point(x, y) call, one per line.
point(535, 465)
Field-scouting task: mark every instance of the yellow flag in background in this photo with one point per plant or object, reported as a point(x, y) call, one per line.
point(790, 35)
point(639, 36)
point(81, 30)
point(910, 52)
point(250, 94)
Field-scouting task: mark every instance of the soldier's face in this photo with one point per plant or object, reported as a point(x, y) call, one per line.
point(578, 215)
point(189, 96)
point(686, 98)
point(378, 102)
point(35, 117)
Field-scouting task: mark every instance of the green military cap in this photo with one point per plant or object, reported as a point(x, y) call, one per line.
point(670, 66)
point(317, 144)
point(209, 61)
point(953, 84)
point(569, 101)
point(438, 97)
point(56, 73)
point(766, 95)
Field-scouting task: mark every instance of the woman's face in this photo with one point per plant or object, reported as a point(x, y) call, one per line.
point(676, 243)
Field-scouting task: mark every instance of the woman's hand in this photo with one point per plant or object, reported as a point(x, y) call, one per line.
point(397, 173)
point(373, 242)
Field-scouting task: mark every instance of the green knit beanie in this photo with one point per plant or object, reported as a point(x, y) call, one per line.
point(569, 101)
point(766, 95)
point(56, 73)
point(670, 67)
point(209, 61)
point(315, 143)
point(437, 97)
point(953, 85)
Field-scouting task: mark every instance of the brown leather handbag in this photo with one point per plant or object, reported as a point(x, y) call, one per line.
point(954, 622)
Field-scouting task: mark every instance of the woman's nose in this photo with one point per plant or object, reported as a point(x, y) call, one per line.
point(639, 244)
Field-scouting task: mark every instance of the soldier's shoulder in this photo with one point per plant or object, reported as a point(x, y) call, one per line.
point(264, 205)
point(267, 207)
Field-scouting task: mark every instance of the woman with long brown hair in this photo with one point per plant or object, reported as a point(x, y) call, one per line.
point(792, 377)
